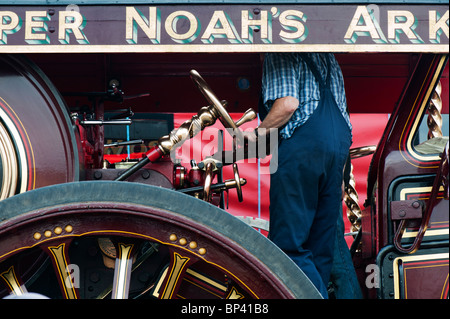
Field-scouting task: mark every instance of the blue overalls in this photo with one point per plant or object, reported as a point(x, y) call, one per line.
point(305, 190)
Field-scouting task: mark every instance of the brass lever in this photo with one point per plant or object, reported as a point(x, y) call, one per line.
point(248, 116)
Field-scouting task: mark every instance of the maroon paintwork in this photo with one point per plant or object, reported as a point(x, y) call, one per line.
point(396, 166)
point(389, 161)
point(39, 114)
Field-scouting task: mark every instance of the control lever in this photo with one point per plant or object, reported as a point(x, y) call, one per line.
point(127, 113)
point(248, 116)
point(210, 166)
point(133, 142)
point(237, 183)
point(105, 122)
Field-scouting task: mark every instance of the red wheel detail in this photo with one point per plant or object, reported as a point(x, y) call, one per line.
point(36, 118)
point(197, 257)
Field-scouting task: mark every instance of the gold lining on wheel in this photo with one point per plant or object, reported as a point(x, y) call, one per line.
point(10, 169)
point(12, 153)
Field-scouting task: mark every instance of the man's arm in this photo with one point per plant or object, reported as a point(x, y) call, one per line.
point(279, 114)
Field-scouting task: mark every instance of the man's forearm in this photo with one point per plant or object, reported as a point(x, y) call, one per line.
point(280, 113)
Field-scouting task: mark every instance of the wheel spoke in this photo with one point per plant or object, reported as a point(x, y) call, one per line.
point(122, 271)
point(235, 294)
point(13, 282)
point(176, 270)
point(60, 261)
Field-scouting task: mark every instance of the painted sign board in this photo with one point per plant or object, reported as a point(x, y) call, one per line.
point(227, 28)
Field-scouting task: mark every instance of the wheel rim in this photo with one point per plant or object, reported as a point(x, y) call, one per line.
point(8, 165)
point(194, 260)
point(34, 115)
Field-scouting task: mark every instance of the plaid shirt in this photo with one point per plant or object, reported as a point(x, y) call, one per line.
point(287, 74)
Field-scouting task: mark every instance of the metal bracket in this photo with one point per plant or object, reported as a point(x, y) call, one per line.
point(406, 209)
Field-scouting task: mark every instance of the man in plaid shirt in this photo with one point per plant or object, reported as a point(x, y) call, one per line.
point(304, 99)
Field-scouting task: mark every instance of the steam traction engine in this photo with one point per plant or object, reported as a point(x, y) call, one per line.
point(75, 224)
point(139, 238)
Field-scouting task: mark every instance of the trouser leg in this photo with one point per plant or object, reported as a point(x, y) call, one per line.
point(343, 275)
point(321, 240)
point(305, 196)
point(293, 205)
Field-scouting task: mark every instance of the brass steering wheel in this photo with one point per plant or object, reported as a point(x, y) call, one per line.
point(212, 99)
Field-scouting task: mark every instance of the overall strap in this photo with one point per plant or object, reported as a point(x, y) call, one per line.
point(328, 80)
point(315, 71)
point(262, 108)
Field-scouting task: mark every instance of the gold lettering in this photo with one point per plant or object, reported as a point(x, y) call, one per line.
point(220, 26)
point(402, 21)
point(35, 22)
point(292, 20)
point(438, 25)
point(10, 23)
point(249, 25)
point(171, 26)
point(71, 22)
point(151, 26)
point(364, 24)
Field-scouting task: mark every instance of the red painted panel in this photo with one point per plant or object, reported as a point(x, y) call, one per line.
point(367, 130)
point(373, 82)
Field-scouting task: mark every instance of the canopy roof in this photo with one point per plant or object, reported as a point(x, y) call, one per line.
point(153, 2)
point(162, 26)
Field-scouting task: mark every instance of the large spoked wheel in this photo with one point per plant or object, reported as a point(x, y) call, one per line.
point(128, 240)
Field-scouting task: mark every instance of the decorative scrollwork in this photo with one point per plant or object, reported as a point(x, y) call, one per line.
point(351, 198)
point(434, 119)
